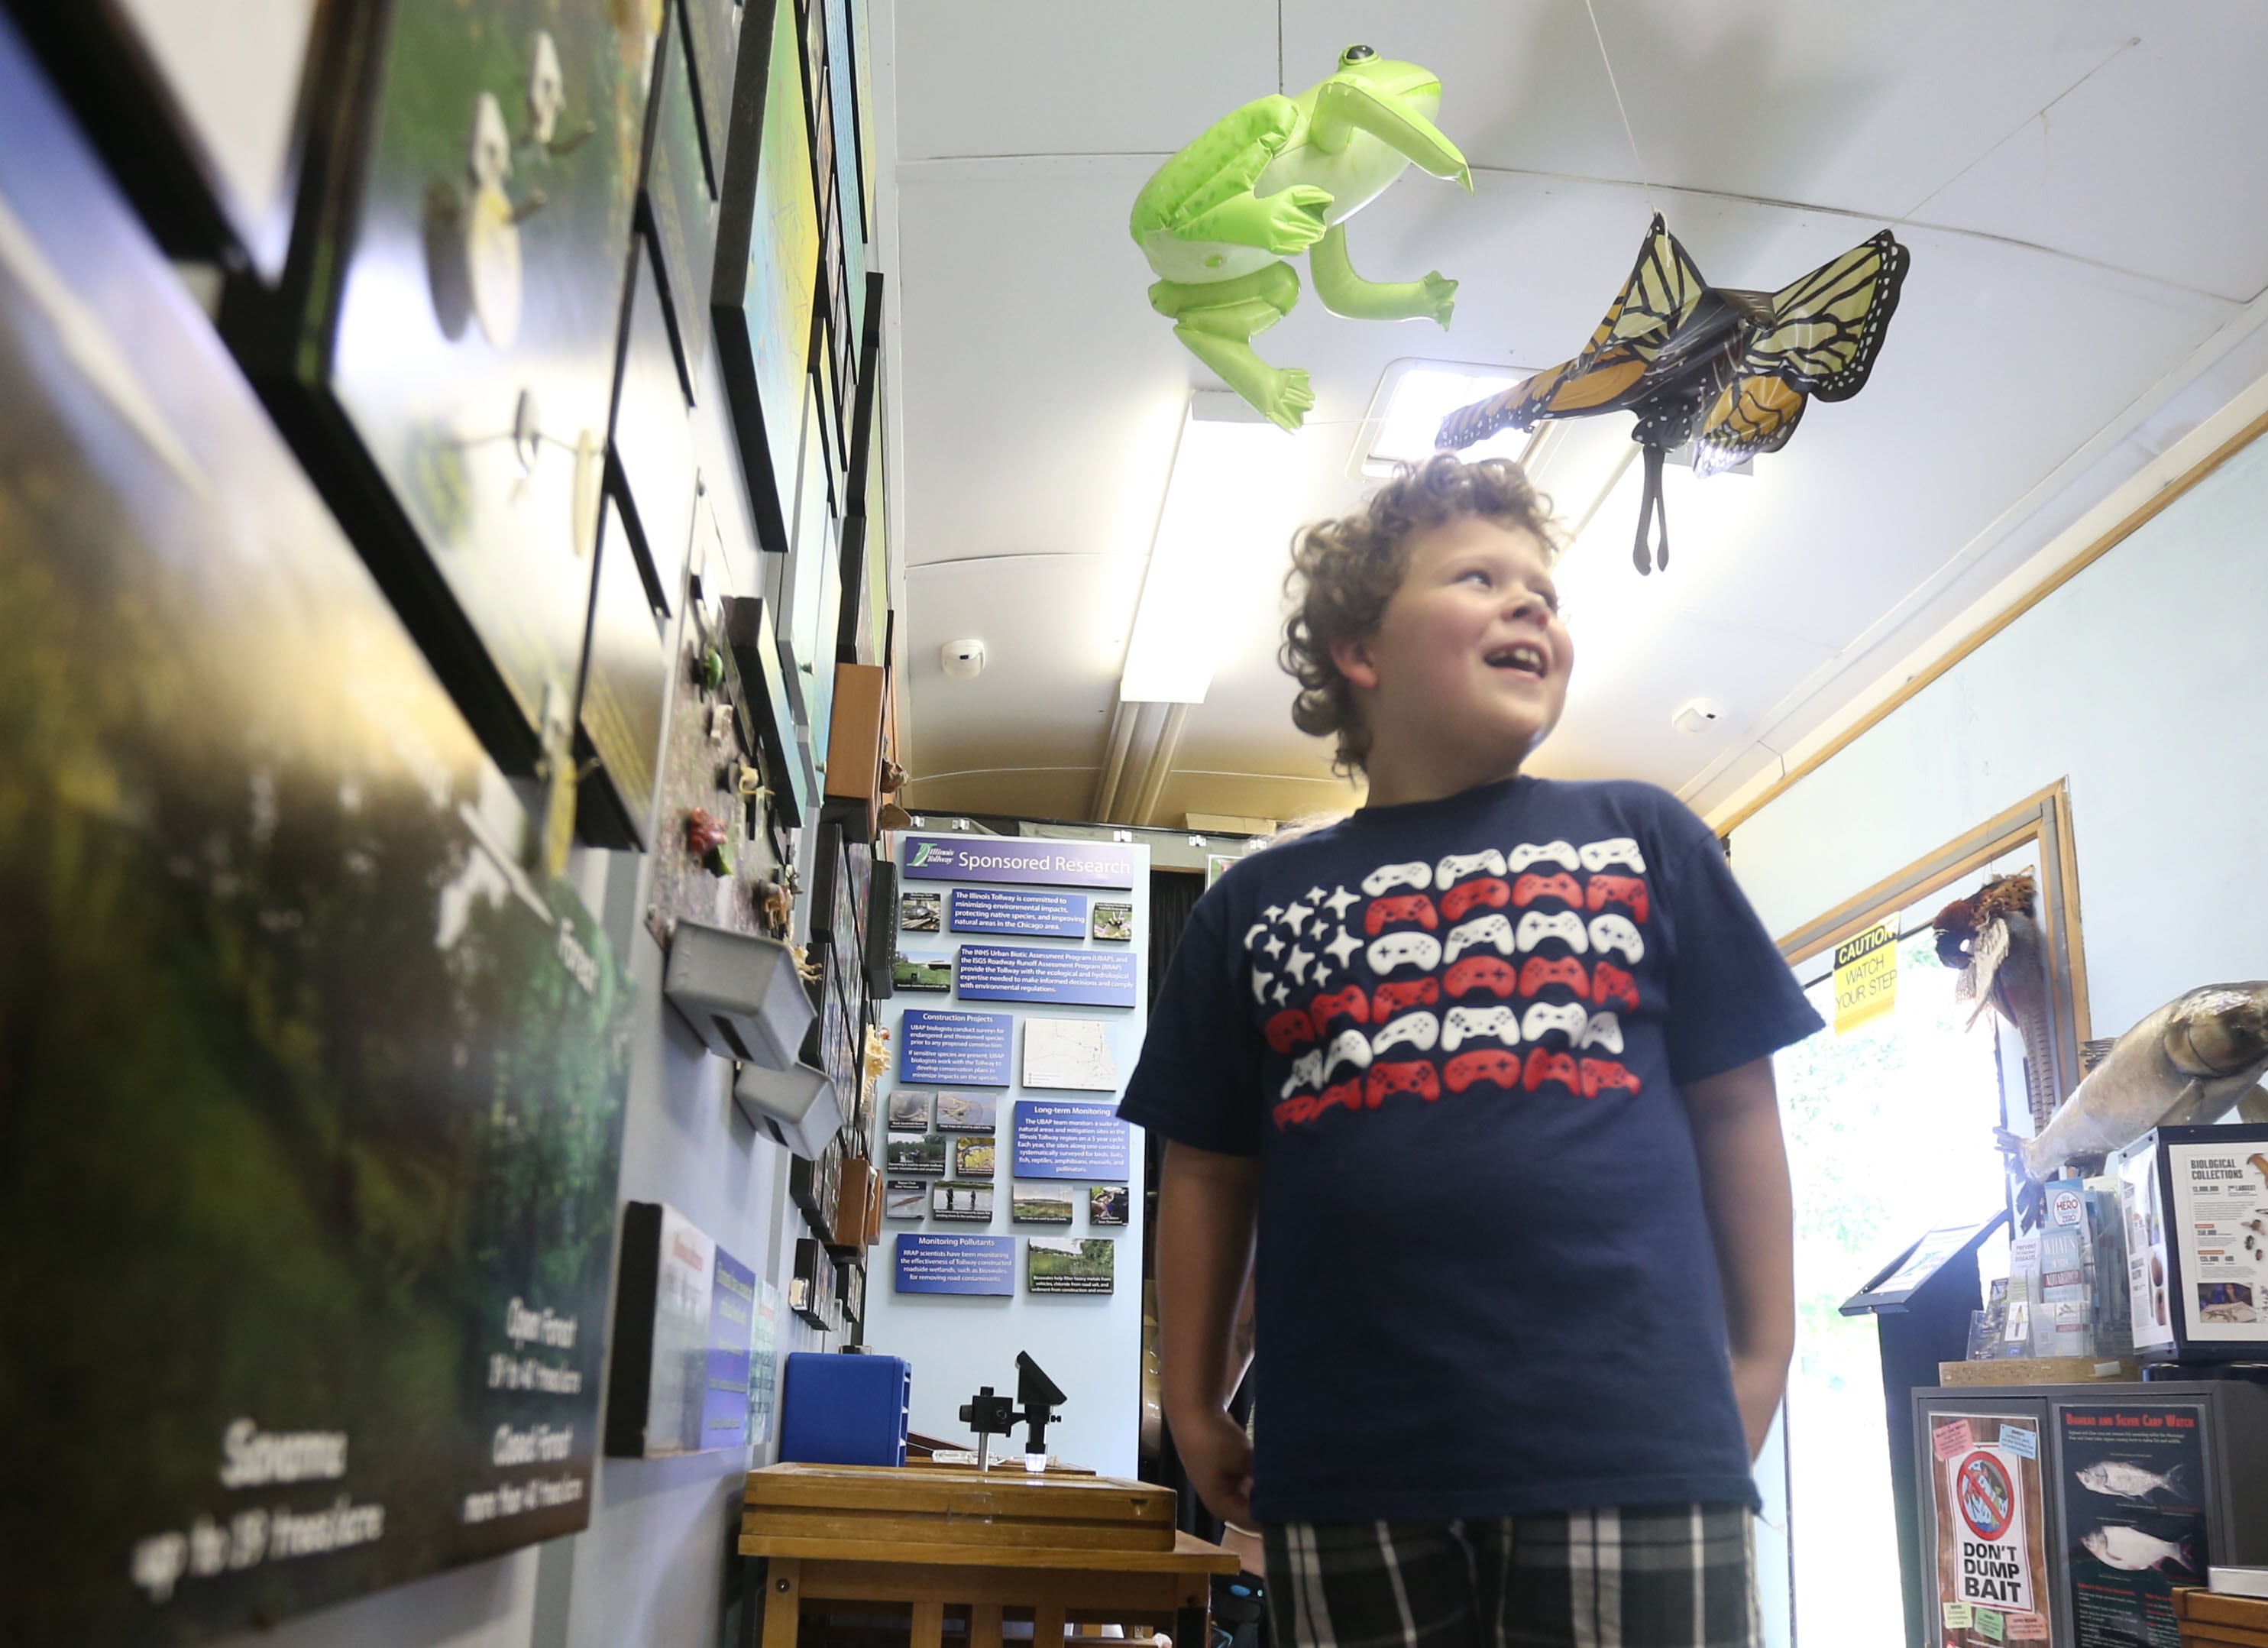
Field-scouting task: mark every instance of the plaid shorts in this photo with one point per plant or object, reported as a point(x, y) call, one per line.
point(1653, 1577)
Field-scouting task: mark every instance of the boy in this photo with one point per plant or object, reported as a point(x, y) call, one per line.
point(1484, 1071)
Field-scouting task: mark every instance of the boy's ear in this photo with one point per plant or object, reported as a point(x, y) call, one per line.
point(1352, 657)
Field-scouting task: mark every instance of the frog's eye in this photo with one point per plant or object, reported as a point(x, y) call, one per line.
point(1355, 53)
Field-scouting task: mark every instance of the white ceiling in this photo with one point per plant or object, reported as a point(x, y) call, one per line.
point(2075, 272)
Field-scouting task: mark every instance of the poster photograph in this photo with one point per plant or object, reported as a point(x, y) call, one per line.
point(1041, 1204)
point(973, 1159)
point(972, 1203)
point(313, 1130)
point(1070, 1264)
point(909, 1109)
point(930, 975)
point(1109, 1204)
point(1114, 923)
point(916, 1153)
point(921, 911)
point(905, 1198)
point(1992, 1577)
point(2132, 1476)
point(967, 1112)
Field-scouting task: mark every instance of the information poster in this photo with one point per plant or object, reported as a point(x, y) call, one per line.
point(732, 1325)
point(1055, 1140)
point(955, 1049)
point(763, 1362)
point(1027, 912)
point(1070, 1264)
point(1992, 1556)
point(929, 1262)
point(2220, 1219)
point(2132, 1478)
point(1070, 978)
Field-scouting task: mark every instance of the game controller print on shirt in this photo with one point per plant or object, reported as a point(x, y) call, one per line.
point(1420, 988)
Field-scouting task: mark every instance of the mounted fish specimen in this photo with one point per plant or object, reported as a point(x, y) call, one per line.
point(1729, 370)
point(1278, 177)
point(2191, 1061)
point(1993, 938)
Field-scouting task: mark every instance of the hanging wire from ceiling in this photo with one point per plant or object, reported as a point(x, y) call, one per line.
point(1645, 186)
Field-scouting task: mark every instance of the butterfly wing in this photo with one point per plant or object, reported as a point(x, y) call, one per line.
point(1820, 339)
point(1826, 330)
point(1663, 292)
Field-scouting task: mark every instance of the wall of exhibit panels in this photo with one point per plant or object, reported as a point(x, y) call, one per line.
point(616, 496)
point(967, 1331)
point(2130, 681)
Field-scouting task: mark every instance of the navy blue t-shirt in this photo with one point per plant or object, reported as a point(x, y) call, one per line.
point(1452, 1032)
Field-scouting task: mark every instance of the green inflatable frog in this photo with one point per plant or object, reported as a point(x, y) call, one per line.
point(1278, 177)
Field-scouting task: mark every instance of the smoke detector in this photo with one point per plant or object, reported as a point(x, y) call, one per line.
point(1697, 715)
point(962, 661)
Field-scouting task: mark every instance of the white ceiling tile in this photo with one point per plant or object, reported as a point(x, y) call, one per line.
point(1040, 77)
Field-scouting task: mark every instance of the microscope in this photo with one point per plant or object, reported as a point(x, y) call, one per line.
point(991, 1415)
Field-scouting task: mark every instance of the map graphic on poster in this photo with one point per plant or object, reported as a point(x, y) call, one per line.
point(2132, 1480)
point(1070, 1052)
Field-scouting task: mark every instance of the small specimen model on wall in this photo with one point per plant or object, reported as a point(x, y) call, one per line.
point(1281, 176)
point(2191, 1061)
point(1730, 371)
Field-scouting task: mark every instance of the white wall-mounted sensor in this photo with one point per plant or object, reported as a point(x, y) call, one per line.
point(1697, 715)
point(963, 660)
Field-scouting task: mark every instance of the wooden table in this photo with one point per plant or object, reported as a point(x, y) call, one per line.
point(1058, 1547)
point(2211, 1619)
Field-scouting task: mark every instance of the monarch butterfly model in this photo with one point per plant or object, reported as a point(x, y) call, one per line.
point(1729, 370)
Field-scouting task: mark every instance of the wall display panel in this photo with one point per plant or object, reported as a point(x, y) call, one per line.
point(849, 169)
point(711, 848)
point(766, 271)
point(462, 294)
point(680, 209)
point(862, 53)
point(625, 694)
point(813, 595)
point(653, 437)
point(713, 29)
point(283, 1005)
point(204, 124)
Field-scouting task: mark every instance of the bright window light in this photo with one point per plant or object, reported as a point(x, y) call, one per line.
point(1216, 500)
point(1413, 398)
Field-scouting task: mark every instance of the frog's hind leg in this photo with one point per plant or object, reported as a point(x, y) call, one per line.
point(1217, 322)
point(1348, 294)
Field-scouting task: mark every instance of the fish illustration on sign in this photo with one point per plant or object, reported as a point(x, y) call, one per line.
point(2124, 1479)
point(2132, 1551)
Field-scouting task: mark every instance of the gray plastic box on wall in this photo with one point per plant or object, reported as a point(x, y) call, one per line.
point(739, 993)
point(798, 1105)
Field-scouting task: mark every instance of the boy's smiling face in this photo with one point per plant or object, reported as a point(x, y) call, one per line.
point(1468, 668)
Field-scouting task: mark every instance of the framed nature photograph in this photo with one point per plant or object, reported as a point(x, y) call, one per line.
point(1070, 1264)
point(916, 1153)
point(1108, 1204)
point(910, 1109)
point(974, 1158)
point(1114, 923)
point(921, 911)
point(933, 974)
point(967, 1112)
point(970, 1203)
point(1041, 1204)
point(905, 1198)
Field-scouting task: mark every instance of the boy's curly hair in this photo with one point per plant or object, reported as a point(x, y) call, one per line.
point(1344, 571)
